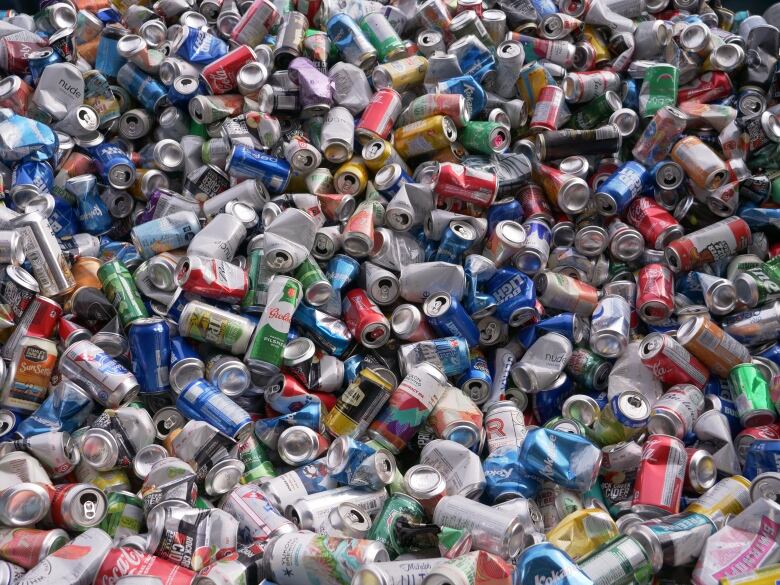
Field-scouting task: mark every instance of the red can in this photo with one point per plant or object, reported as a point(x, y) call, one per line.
point(657, 226)
point(16, 51)
point(288, 395)
point(655, 293)
point(711, 86)
point(129, 561)
point(534, 203)
point(659, 481)
point(212, 278)
point(670, 362)
point(603, 171)
point(364, 319)
point(15, 94)
point(220, 76)
point(549, 110)
point(380, 116)
point(310, 8)
point(465, 184)
point(713, 242)
point(27, 547)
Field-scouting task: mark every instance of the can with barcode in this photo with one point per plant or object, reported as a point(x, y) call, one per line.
point(715, 348)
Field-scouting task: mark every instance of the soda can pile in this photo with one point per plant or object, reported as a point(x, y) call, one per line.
point(410, 292)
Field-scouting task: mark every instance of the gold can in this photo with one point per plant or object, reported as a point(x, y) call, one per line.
point(402, 74)
point(728, 497)
point(425, 136)
point(84, 270)
point(596, 40)
point(715, 348)
point(351, 178)
point(583, 531)
point(700, 163)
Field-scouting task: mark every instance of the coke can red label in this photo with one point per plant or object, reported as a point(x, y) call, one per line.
point(465, 184)
point(655, 293)
point(364, 319)
point(128, 561)
point(380, 115)
point(221, 75)
point(652, 221)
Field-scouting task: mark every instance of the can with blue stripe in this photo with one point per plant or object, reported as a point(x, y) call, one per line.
point(507, 209)
point(621, 188)
point(113, 165)
point(457, 238)
point(448, 317)
point(247, 162)
point(199, 400)
point(476, 382)
point(108, 60)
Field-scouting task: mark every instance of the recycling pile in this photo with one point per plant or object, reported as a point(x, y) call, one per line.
point(339, 292)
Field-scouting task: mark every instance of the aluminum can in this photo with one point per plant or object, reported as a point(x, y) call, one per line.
point(124, 515)
point(249, 162)
point(719, 240)
point(504, 425)
point(351, 42)
point(715, 348)
point(447, 316)
point(76, 506)
point(635, 564)
point(750, 390)
point(218, 327)
point(657, 226)
point(257, 519)
point(415, 397)
point(670, 362)
point(199, 400)
point(359, 404)
point(166, 233)
point(255, 23)
point(380, 115)
point(676, 411)
point(659, 481)
point(550, 111)
point(406, 572)
point(449, 354)
point(705, 168)
point(425, 136)
point(107, 381)
point(539, 447)
point(610, 326)
point(129, 561)
point(655, 293)
point(364, 319)
point(461, 468)
point(49, 266)
point(76, 562)
point(565, 293)
point(26, 547)
point(119, 288)
point(622, 187)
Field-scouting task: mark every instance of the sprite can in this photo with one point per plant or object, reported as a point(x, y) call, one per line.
point(659, 88)
point(125, 515)
point(119, 288)
point(256, 462)
point(751, 393)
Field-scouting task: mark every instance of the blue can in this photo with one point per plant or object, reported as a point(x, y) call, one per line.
point(546, 563)
point(506, 476)
point(269, 429)
point(390, 178)
point(329, 332)
point(630, 94)
point(113, 164)
point(347, 36)
point(165, 233)
point(449, 354)
point(536, 250)
point(151, 94)
point(40, 60)
point(346, 458)
point(508, 209)
point(728, 408)
point(762, 456)
point(108, 60)
point(621, 188)
point(474, 58)
point(571, 326)
point(180, 348)
point(341, 271)
point(247, 162)
point(31, 172)
point(549, 454)
point(772, 353)
point(200, 47)
point(63, 220)
point(150, 348)
point(8, 423)
point(544, 8)
point(91, 210)
point(199, 400)
point(182, 90)
point(457, 238)
point(547, 404)
point(352, 366)
point(448, 317)
point(476, 382)
point(65, 409)
point(515, 296)
point(469, 88)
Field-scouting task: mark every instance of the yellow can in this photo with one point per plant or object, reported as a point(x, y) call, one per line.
point(351, 178)
point(379, 153)
point(425, 136)
point(401, 74)
point(766, 576)
point(728, 497)
point(583, 531)
point(359, 404)
point(596, 40)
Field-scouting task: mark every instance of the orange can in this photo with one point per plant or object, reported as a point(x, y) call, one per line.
point(715, 348)
point(85, 271)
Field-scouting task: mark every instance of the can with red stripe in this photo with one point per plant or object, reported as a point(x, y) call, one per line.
point(657, 226)
point(659, 480)
point(655, 293)
point(670, 362)
point(551, 111)
point(722, 239)
point(212, 278)
point(380, 116)
point(534, 203)
point(221, 75)
point(129, 561)
point(466, 184)
point(364, 319)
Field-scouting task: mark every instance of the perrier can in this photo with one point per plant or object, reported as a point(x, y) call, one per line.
point(264, 355)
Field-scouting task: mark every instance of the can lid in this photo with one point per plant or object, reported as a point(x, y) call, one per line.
point(24, 504)
point(631, 408)
point(146, 457)
point(405, 319)
point(766, 485)
point(88, 505)
point(664, 422)
point(424, 482)
point(649, 541)
point(351, 520)
point(299, 444)
point(100, 449)
point(702, 471)
point(465, 433)
point(231, 376)
point(298, 351)
point(223, 476)
point(184, 372)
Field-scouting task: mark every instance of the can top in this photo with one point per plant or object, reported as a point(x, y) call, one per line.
point(766, 485)
point(223, 476)
point(582, 408)
point(185, 371)
point(24, 504)
point(298, 351)
point(702, 471)
point(631, 408)
point(100, 449)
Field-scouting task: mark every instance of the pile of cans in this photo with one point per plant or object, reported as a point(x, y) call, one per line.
point(398, 292)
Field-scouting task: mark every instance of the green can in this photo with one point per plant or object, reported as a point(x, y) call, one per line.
point(257, 465)
point(382, 36)
point(484, 137)
point(264, 355)
point(596, 112)
point(119, 288)
point(757, 285)
point(659, 88)
point(620, 562)
point(260, 276)
point(317, 289)
point(751, 393)
point(588, 370)
point(124, 516)
point(399, 505)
